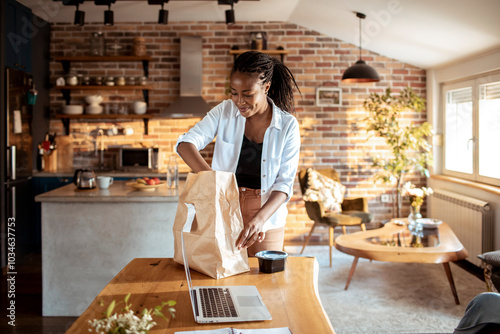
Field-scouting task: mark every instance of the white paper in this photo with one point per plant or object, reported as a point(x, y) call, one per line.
point(18, 127)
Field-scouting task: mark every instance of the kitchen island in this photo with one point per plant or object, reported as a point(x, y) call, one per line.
point(88, 236)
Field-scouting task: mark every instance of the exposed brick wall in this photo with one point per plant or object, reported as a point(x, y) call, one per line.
point(331, 136)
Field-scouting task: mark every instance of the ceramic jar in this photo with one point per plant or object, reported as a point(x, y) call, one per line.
point(139, 46)
point(120, 81)
point(110, 81)
point(72, 80)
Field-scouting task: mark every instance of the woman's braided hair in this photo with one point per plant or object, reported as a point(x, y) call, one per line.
point(271, 70)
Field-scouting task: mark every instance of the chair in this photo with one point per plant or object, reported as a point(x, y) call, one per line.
point(354, 211)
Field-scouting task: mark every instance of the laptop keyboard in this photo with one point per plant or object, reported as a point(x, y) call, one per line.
point(217, 303)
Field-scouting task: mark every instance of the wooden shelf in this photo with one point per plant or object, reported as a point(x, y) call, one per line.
point(66, 119)
point(66, 90)
point(104, 116)
point(106, 87)
point(102, 58)
point(67, 60)
point(281, 53)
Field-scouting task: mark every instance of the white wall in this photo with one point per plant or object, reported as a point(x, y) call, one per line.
point(468, 68)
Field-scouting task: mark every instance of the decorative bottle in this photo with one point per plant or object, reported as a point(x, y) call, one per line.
point(97, 44)
point(173, 172)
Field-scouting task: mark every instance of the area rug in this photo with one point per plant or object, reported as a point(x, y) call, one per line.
point(386, 297)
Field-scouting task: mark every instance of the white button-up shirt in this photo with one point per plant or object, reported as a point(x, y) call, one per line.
point(280, 150)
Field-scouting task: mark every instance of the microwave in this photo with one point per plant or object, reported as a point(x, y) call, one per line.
point(138, 159)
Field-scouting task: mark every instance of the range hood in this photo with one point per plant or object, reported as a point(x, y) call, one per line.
point(190, 103)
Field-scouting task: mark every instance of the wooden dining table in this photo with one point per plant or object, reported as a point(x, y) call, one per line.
point(291, 295)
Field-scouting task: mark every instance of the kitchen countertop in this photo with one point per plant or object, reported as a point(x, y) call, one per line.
point(114, 173)
point(117, 192)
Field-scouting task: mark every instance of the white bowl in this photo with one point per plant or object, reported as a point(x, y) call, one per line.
point(140, 107)
point(72, 109)
point(93, 110)
point(93, 99)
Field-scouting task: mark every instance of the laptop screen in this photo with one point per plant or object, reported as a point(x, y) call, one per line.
point(187, 228)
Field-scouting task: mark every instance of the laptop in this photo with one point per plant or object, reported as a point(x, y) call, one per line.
point(222, 303)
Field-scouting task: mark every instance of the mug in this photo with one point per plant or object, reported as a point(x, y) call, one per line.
point(104, 181)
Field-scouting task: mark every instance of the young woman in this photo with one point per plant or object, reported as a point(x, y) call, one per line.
point(257, 139)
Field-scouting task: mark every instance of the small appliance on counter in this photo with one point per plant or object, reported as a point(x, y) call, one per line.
point(139, 159)
point(84, 179)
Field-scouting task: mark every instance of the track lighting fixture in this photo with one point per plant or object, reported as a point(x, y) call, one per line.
point(360, 71)
point(79, 16)
point(163, 13)
point(163, 16)
point(109, 19)
point(108, 14)
point(230, 17)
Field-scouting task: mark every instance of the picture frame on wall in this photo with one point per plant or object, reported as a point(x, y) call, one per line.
point(328, 97)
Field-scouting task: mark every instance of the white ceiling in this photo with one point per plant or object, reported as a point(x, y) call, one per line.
point(424, 33)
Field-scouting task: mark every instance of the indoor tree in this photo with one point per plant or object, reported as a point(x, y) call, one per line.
point(409, 146)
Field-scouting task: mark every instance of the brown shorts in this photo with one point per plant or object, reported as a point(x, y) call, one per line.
point(250, 204)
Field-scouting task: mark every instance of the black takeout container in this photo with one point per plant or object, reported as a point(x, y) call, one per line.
point(271, 261)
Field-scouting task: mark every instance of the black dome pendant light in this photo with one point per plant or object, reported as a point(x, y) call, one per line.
point(360, 72)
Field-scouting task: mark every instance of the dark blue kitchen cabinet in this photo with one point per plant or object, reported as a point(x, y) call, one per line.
point(19, 31)
point(44, 184)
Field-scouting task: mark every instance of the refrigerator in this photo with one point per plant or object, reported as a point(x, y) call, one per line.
point(17, 169)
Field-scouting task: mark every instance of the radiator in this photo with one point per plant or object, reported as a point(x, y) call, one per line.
point(469, 218)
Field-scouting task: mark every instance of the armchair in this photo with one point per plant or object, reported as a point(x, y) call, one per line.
point(354, 211)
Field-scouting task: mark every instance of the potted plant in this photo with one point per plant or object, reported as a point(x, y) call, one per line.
point(409, 146)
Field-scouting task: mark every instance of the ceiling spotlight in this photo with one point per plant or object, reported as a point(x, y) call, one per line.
point(109, 19)
point(230, 17)
point(163, 16)
point(163, 13)
point(360, 71)
point(108, 14)
point(79, 17)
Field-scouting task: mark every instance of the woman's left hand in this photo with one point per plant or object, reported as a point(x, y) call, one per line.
point(251, 233)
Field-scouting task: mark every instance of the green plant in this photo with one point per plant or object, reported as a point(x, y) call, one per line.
point(409, 146)
point(127, 321)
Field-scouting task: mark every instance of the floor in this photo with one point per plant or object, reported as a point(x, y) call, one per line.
point(28, 302)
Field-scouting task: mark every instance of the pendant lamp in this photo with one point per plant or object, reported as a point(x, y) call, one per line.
point(360, 71)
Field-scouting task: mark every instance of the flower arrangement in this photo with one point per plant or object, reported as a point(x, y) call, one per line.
point(417, 195)
point(127, 322)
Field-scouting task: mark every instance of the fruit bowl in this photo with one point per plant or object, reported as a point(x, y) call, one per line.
point(144, 187)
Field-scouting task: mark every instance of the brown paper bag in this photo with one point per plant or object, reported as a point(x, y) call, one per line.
point(211, 244)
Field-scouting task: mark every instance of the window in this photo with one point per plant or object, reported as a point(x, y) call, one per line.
point(472, 129)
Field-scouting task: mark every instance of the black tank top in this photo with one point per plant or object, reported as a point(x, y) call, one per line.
point(248, 170)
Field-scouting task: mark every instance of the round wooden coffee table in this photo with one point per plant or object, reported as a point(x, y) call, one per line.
point(397, 243)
